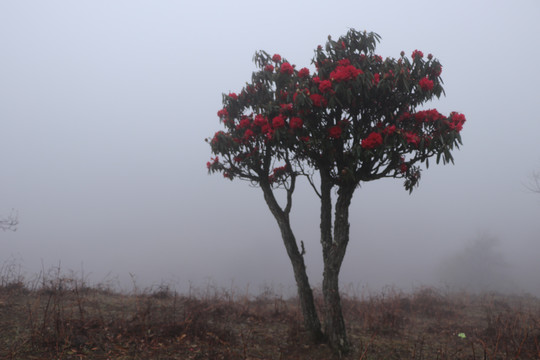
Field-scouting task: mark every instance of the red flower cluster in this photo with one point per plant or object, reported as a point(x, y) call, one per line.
point(276, 58)
point(428, 116)
point(304, 72)
point(457, 121)
point(233, 96)
point(425, 84)
point(376, 79)
point(417, 53)
point(223, 113)
point(335, 132)
point(325, 86)
point(260, 120)
point(412, 138)
point(286, 68)
point(278, 122)
point(278, 172)
point(269, 68)
point(296, 123)
point(318, 100)
point(245, 122)
point(248, 134)
point(372, 141)
point(212, 162)
point(345, 72)
point(389, 130)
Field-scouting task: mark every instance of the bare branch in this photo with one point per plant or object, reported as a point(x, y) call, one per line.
point(10, 223)
point(534, 185)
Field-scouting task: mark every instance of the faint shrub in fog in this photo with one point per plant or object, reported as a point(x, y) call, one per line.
point(478, 267)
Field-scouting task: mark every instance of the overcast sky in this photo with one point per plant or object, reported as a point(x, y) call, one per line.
point(105, 105)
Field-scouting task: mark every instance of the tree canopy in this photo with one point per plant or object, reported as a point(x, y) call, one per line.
point(357, 117)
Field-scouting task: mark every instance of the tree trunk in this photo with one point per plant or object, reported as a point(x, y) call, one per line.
point(335, 330)
point(305, 293)
point(334, 248)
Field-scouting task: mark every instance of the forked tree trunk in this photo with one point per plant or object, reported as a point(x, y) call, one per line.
point(305, 293)
point(334, 247)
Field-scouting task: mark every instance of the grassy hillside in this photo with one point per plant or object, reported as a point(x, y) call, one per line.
point(61, 318)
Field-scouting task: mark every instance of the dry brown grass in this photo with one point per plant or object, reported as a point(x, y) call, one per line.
point(58, 317)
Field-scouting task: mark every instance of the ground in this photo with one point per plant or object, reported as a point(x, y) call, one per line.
point(64, 319)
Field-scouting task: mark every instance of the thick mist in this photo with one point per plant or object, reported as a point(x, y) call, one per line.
point(104, 108)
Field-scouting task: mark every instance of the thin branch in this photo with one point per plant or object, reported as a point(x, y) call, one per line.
point(10, 223)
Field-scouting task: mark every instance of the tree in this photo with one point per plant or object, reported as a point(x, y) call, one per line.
point(535, 183)
point(9, 223)
point(354, 119)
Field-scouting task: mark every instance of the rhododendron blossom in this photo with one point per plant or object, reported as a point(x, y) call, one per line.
point(412, 138)
point(389, 130)
point(296, 123)
point(372, 141)
point(269, 68)
point(325, 86)
point(417, 53)
point(260, 120)
point(344, 73)
point(426, 84)
point(276, 58)
point(248, 134)
point(286, 68)
point(318, 100)
point(335, 132)
point(244, 123)
point(457, 121)
point(304, 72)
point(278, 122)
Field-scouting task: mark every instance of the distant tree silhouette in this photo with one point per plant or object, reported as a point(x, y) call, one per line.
point(355, 119)
point(9, 223)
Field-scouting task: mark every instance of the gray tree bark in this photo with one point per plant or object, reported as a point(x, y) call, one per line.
point(312, 323)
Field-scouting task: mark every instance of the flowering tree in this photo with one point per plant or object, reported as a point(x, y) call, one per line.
point(355, 119)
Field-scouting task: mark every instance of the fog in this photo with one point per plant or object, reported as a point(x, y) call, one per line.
point(105, 105)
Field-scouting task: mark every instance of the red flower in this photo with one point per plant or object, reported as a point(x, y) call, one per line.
point(428, 115)
point(417, 53)
point(286, 68)
point(389, 130)
point(285, 107)
point(296, 123)
point(325, 86)
point(278, 122)
point(248, 134)
point(244, 123)
point(276, 58)
point(318, 100)
point(269, 68)
point(223, 113)
point(260, 120)
point(344, 62)
point(457, 121)
point(425, 84)
point(403, 168)
point(412, 138)
point(304, 72)
point(376, 79)
point(304, 138)
point(344, 73)
point(335, 132)
point(233, 96)
point(372, 141)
